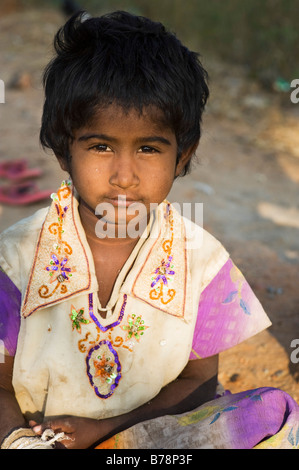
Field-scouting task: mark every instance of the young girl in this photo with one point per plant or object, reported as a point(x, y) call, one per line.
point(112, 331)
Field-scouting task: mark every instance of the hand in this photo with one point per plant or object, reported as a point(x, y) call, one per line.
point(80, 433)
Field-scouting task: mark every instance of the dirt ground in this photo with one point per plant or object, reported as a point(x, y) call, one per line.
point(247, 178)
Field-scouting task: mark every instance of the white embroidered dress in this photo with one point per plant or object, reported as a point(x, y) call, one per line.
point(70, 360)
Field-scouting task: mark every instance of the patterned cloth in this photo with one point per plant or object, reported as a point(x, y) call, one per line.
point(265, 418)
point(228, 313)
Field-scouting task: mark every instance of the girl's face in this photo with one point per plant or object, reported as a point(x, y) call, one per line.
point(123, 159)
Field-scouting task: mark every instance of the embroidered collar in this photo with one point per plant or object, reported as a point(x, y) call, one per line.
point(61, 267)
point(63, 264)
point(163, 280)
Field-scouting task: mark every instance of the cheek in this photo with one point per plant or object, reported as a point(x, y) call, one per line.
point(159, 182)
point(163, 168)
point(81, 166)
point(81, 175)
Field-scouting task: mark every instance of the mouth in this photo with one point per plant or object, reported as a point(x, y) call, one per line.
point(121, 201)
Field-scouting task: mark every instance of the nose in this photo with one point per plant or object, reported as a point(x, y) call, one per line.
point(124, 174)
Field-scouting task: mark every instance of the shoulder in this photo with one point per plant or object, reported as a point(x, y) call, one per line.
point(18, 243)
point(24, 226)
point(205, 251)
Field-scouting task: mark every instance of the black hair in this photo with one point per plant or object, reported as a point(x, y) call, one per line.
point(122, 59)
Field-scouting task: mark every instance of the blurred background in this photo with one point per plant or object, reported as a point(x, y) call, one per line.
point(260, 34)
point(247, 169)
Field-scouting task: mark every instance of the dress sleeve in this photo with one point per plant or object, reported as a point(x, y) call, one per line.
point(228, 313)
point(10, 303)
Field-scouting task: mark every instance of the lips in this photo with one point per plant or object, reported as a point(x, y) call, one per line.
point(121, 201)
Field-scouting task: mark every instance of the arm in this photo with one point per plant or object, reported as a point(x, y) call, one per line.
point(10, 415)
point(194, 386)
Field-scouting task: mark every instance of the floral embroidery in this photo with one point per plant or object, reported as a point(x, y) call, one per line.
point(135, 327)
point(103, 364)
point(163, 274)
point(77, 318)
point(103, 369)
point(58, 266)
point(61, 265)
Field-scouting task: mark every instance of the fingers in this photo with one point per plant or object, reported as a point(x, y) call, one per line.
point(37, 428)
point(57, 425)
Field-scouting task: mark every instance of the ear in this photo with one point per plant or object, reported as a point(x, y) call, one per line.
point(185, 158)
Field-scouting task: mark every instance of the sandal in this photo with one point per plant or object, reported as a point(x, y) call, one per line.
point(17, 170)
point(22, 194)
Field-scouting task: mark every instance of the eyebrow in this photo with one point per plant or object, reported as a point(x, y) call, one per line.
point(150, 139)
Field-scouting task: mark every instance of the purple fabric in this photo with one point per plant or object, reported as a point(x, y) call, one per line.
point(10, 303)
point(250, 417)
point(263, 418)
point(228, 313)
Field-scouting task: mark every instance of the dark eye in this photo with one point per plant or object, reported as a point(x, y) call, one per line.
point(101, 148)
point(147, 149)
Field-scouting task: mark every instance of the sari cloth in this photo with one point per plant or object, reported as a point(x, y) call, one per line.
point(264, 418)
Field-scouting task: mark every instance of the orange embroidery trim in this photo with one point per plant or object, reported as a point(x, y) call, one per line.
point(81, 343)
point(159, 294)
point(162, 275)
point(58, 268)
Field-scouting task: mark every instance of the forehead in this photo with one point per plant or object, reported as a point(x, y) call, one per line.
point(114, 118)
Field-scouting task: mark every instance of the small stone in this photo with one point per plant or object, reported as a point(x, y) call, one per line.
point(234, 377)
point(278, 373)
